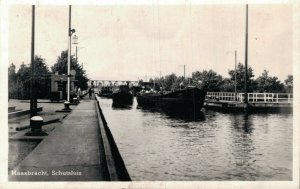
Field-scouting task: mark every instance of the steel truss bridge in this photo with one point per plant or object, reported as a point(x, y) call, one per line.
point(99, 83)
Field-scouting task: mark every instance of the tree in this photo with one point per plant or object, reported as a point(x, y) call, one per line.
point(265, 83)
point(42, 85)
point(209, 80)
point(289, 84)
point(12, 78)
point(23, 82)
point(228, 85)
point(178, 83)
point(19, 83)
point(11, 72)
point(61, 68)
point(167, 82)
point(240, 78)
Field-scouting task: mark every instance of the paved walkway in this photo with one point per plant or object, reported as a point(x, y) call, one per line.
point(72, 152)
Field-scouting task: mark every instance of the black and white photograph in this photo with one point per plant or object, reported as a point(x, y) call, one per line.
point(150, 94)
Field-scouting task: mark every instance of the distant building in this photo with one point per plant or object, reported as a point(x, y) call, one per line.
point(59, 86)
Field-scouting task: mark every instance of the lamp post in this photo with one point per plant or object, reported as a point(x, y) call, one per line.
point(75, 42)
point(70, 32)
point(33, 110)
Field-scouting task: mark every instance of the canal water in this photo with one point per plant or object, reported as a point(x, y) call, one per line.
point(219, 146)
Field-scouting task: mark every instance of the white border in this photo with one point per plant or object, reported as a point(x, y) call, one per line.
point(158, 184)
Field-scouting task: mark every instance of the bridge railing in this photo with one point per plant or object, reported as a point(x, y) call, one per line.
point(252, 97)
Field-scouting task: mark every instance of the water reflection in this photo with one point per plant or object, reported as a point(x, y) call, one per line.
point(242, 148)
point(188, 117)
point(121, 107)
point(219, 146)
point(199, 116)
point(242, 122)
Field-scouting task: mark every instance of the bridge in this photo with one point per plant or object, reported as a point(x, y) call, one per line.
point(230, 101)
point(98, 83)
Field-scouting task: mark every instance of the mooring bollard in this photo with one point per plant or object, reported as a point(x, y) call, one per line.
point(36, 123)
point(67, 105)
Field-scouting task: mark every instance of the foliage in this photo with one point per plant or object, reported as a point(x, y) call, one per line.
point(289, 84)
point(228, 85)
point(43, 80)
point(209, 80)
point(61, 68)
point(23, 82)
point(167, 82)
point(12, 78)
point(265, 83)
point(213, 82)
point(19, 83)
point(240, 78)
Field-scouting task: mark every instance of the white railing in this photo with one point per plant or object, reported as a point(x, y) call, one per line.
point(252, 97)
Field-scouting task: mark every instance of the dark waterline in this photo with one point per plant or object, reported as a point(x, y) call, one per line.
point(218, 146)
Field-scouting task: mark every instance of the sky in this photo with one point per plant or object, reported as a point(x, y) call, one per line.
point(131, 42)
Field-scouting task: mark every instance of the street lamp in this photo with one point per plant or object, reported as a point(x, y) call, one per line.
point(75, 42)
point(70, 32)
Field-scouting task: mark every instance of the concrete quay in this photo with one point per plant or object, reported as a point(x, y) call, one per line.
point(74, 151)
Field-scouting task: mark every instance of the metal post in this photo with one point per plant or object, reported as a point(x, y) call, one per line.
point(235, 76)
point(184, 71)
point(33, 111)
point(76, 55)
point(69, 54)
point(246, 58)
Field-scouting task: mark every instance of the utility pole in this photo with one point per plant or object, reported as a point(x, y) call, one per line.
point(33, 101)
point(246, 58)
point(235, 75)
point(70, 32)
point(69, 54)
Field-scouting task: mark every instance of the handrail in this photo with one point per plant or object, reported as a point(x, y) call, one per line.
point(252, 97)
